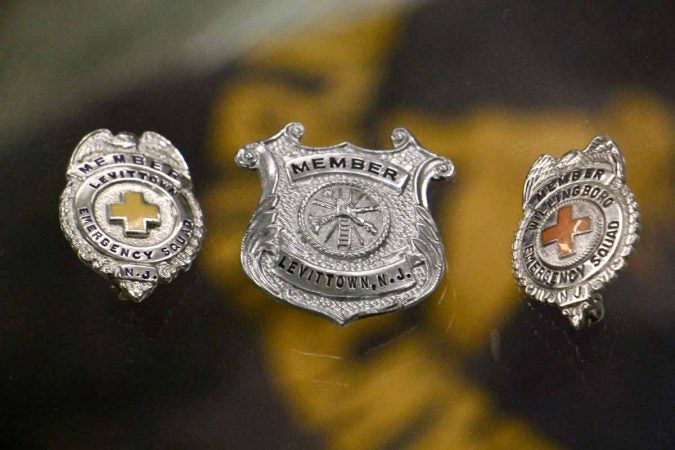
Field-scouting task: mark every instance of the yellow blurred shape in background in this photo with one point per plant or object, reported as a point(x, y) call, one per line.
point(493, 149)
point(404, 391)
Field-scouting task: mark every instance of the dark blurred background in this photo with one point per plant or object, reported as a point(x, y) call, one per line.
point(209, 361)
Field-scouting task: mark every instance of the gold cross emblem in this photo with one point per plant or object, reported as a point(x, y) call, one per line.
point(134, 213)
point(564, 230)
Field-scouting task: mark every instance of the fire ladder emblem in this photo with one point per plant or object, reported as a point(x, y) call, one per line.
point(344, 219)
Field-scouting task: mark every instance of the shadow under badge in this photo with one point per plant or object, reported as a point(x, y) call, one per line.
point(128, 210)
point(343, 231)
point(581, 222)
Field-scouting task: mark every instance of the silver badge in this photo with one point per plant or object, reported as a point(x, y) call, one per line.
point(343, 231)
point(580, 224)
point(128, 210)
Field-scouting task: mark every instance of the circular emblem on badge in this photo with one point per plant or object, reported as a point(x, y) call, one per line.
point(138, 220)
point(128, 210)
point(344, 219)
point(580, 223)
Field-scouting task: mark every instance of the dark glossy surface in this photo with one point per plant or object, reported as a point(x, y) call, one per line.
point(211, 362)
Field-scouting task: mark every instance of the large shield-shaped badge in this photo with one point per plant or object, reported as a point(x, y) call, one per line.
point(128, 210)
point(580, 224)
point(343, 231)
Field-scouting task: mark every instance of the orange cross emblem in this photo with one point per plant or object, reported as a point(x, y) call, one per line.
point(564, 230)
point(134, 213)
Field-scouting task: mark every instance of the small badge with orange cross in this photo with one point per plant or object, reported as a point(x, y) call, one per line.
point(580, 224)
